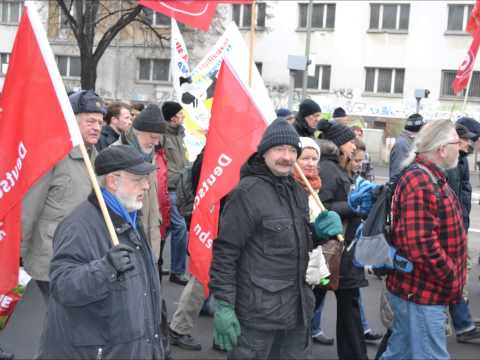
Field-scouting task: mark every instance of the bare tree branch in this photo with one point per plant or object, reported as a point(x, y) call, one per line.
point(159, 36)
point(66, 11)
point(110, 13)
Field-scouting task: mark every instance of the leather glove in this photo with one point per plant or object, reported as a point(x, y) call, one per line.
point(226, 328)
point(119, 257)
point(328, 224)
point(317, 269)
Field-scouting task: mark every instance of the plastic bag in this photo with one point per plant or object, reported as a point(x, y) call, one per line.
point(9, 300)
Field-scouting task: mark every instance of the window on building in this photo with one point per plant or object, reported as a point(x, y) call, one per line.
point(10, 11)
point(458, 16)
point(156, 19)
point(389, 17)
point(323, 16)
point(3, 63)
point(319, 81)
point(384, 80)
point(153, 69)
point(259, 66)
point(69, 66)
point(242, 15)
point(446, 86)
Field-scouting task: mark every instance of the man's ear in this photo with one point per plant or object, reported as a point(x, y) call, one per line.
point(111, 182)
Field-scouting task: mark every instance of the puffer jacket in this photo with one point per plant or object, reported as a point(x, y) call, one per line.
point(151, 217)
point(336, 185)
point(399, 153)
point(48, 202)
point(261, 254)
point(176, 153)
point(92, 312)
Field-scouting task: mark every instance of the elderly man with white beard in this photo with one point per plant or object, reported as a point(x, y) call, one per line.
point(105, 300)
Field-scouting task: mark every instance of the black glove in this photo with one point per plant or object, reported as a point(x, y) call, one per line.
point(119, 258)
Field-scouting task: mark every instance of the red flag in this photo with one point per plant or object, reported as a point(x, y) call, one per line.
point(236, 128)
point(37, 126)
point(10, 230)
point(195, 13)
point(465, 70)
point(474, 20)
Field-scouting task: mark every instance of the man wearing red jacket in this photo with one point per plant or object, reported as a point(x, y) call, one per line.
point(428, 230)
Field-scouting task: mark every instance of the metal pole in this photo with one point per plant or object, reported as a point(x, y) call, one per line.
point(307, 48)
point(291, 89)
point(253, 22)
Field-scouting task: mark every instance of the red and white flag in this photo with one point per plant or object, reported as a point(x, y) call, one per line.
point(195, 13)
point(465, 70)
point(37, 125)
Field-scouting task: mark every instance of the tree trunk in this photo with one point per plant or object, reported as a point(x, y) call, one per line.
point(88, 71)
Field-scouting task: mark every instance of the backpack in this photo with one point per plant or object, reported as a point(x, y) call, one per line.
point(185, 196)
point(373, 241)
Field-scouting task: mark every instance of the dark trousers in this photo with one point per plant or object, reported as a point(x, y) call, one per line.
point(272, 344)
point(383, 345)
point(350, 339)
point(44, 287)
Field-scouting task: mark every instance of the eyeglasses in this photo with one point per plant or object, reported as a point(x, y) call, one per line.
point(453, 143)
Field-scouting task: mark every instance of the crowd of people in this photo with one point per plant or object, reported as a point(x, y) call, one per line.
point(287, 236)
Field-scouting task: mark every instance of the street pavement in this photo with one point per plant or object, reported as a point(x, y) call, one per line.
point(22, 334)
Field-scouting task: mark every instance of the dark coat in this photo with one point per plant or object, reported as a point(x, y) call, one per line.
point(459, 181)
point(336, 185)
point(261, 254)
point(302, 127)
point(107, 137)
point(90, 308)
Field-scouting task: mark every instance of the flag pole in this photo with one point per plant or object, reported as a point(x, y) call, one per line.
point(314, 194)
point(465, 99)
point(253, 22)
point(98, 193)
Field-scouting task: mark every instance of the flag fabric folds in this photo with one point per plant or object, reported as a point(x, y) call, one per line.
point(37, 129)
point(465, 70)
point(197, 14)
point(474, 21)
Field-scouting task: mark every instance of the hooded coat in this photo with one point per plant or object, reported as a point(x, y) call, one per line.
point(261, 254)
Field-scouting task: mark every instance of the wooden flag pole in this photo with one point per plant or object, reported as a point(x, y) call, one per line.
point(465, 99)
point(98, 193)
point(253, 22)
point(314, 194)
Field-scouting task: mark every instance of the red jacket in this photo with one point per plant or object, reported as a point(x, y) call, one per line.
point(163, 197)
point(428, 230)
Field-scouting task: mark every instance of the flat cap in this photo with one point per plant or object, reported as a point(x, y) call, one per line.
point(122, 157)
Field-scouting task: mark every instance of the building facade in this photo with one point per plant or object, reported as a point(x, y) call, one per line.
point(366, 56)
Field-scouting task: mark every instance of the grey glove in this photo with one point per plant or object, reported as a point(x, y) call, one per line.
point(119, 257)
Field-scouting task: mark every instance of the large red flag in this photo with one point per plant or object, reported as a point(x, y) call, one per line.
point(37, 125)
point(474, 20)
point(465, 70)
point(195, 13)
point(10, 231)
point(236, 128)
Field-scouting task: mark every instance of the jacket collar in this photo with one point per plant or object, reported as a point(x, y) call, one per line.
point(172, 130)
point(76, 154)
point(436, 171)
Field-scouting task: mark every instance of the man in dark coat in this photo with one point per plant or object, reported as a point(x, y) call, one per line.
point(459, 180)
point(308, 115)
point(118, 121)
point(105, 300)
point(263, 304)
point(402, 146)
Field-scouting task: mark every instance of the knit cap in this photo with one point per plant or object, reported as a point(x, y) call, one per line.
point(308, 107)
point(150, 119)
point(170, 109)
point(337, 133)
point(414, 123)
point(279, 132)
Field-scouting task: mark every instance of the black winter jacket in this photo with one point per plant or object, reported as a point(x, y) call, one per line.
point(334, 192)
point(261, 254)
point(90, 308)
point(459, 181)
point(107, 137)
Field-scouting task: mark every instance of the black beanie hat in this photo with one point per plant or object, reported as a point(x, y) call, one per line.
point(150, 120)
point(308, 107)
point(414, 123)
point(339, 112)
point(337, 133)
point(170, 109)
point(279, 132)
point(471, 124)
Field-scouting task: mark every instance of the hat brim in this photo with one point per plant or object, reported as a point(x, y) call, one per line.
point(144, 168)
point(469, 136)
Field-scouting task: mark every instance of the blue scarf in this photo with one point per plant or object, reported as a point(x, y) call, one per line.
point(115, 205)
